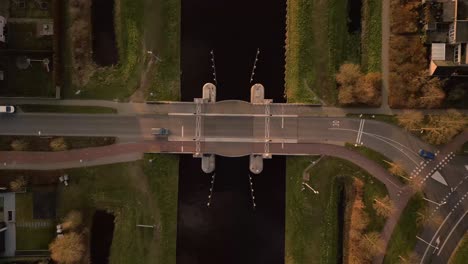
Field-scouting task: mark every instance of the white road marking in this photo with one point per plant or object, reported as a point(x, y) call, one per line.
point(438, 177)
point(440, 227)
point(182, 132)
point(451, 231)
point(222, 114)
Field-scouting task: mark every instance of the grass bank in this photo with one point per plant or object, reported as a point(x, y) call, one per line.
point(315, 28)
point(311, 220)
point(72, 109)
point(139, 193)
point(140, 26)
point(403, 239)
point(36, 143)
point(461, 254)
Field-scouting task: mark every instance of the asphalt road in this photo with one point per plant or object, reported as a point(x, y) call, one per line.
point(229, 129)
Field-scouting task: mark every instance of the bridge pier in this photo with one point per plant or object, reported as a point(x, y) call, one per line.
point(208, 163)
point(209, 93)
point(256, 163)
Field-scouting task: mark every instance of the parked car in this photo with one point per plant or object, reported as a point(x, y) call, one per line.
point(159, 131)
point(9, 109)
point(426, 154)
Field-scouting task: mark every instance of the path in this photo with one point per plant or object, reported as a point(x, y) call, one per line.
point(385, 53)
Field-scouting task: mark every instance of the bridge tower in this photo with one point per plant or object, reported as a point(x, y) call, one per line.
point(209, 96)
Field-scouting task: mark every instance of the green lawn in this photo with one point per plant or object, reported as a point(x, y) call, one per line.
point(315, 28)
point(403, 238)
point(33, 81)
point(391, 119)
point(22, 36)
point(165, 80)
point(31, 238)
point(461, 254)
point(311, 225)
point(371, 37)
point(133, 198)
point(72, 109)
point(36, 143)
point(375, 156)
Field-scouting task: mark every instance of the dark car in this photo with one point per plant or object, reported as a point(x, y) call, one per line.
point(159, 131)
point(426, 154)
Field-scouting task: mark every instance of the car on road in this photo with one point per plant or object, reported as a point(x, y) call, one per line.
point(8, 109)
point(159, 131)
point(426, 154)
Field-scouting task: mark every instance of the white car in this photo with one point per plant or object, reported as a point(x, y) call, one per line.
point(9, 109)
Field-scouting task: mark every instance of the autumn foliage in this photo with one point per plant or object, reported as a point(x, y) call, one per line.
point(357, 88)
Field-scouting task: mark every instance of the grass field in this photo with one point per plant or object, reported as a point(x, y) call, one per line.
point(315, 28)
point(375, 156)
point(138, 193)
point(72, 109)
point(403, 238)
point(461, 254)
point(31, 238)
point(135, 35)
point(311, 225)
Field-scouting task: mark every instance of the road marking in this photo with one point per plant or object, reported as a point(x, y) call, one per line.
point(451, 231)
point(359, 134)
point(182, 131)
point(438, 177)
point(440, 227)
point(222, 114)
point(282, 122)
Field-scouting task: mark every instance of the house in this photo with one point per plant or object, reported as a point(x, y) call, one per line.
point(447, 34)
point(7, 224)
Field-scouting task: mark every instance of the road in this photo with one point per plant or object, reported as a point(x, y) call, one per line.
point(235, 128)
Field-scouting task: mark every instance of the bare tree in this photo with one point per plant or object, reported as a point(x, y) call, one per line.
point(73, 220)
point(396, 168)
point(368, 89)
point(68, 249)
point(58, 144)
point(384, 206)
point(372, 244)
point(411, 119)
point(19, 184)
point(348, 75)
point(442, 128)
point(432, 93)
point(19, 145)
point(410, 258)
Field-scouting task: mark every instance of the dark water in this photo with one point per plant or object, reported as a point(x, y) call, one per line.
point(102, 232)
point(231, 231)
point(354, 15)
point(104, 44)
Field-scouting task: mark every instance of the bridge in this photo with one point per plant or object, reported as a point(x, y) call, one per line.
point(259, 128)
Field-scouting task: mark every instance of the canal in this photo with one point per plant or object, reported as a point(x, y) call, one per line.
point(230, 230)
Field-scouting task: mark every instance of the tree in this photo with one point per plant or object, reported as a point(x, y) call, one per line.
point(19, 145)
point(348, 75)
point(442, 128)
point(425, 218)
point(384, 207)
point(345, 95)
point(19, 184)
point(411, 120)
point(368, 89)
point(458, 93)
point(432, 94)
point(68, 249)
point(396, 168)
point(58, 144)
point(372, 244)
point(410, 258)
point(72, 221)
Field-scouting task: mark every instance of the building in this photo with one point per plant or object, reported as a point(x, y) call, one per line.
point(7, 224)
point(447, 34)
